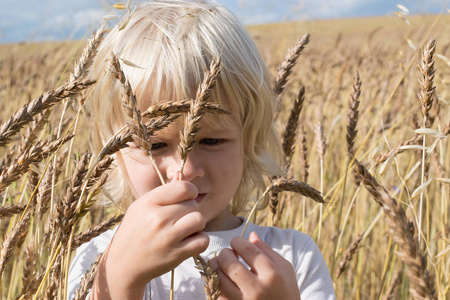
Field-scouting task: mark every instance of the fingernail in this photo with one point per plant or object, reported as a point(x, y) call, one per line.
point(253, 237)
point(177, 176)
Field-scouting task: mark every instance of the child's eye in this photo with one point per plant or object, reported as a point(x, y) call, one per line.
point(156, 146)
point(210, 141)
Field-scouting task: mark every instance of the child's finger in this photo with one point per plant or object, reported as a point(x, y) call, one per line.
point(258, 261)
point(266, 249)
point(172, 193)
point(189, 224)
point(227, 287)
point(194, 244)
point(234, 269)
point(179, 210)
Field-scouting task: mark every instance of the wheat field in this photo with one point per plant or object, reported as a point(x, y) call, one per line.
point(364, 117)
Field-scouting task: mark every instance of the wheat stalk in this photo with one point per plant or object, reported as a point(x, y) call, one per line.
point(416, 140)
point(54, 279)
point(44, 191)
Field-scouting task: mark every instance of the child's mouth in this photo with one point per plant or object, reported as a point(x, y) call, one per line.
point(200, 197)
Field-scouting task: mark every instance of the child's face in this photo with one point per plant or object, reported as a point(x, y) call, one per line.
point(214, 166)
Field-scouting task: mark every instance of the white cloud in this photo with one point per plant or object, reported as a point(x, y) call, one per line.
point(59, 19)
point(81, 18)
point(47, 19)
point(268, 17)
point(333, 9)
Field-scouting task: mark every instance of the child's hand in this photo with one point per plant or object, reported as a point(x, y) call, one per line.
point(160, 230)
point(270, 277)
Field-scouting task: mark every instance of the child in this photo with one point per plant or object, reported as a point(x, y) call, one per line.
point(171, 44)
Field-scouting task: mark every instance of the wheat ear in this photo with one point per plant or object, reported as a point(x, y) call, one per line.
point(209, 275)
point(304, 153)
point(129, 104)
point(352, 116)
point(121, 138)
point(288, 145)
point(65, 212)
point(88, 280)
point(32, 155)
point(29, 268)
point(304, 164)
point(28, 111)
point(91, 233)
point(89, 52)
point(179, 107)
point(13, 239)
point(286, 66)
point(351, 250)
point(426, 94)
point(27, 139)
point(11, 210)
point(396, 280)
point(321, 145)
point(196, 112)
point(290, 131)
point(283, 184)
point(427, 77)
point(402, 230)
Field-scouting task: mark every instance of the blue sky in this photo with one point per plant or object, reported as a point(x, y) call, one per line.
point(38, 20)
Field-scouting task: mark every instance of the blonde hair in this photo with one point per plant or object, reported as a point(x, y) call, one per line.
point(173, 42)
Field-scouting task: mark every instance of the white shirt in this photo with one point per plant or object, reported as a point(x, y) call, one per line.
point(313, 277)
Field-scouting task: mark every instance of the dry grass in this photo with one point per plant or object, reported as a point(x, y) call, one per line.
point(49, 186)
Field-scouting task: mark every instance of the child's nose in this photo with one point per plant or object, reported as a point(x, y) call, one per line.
point(193, 168)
